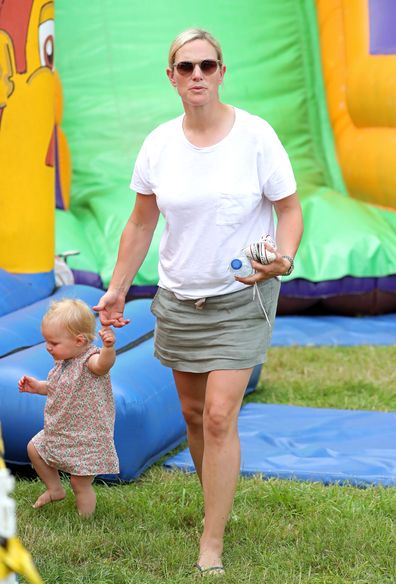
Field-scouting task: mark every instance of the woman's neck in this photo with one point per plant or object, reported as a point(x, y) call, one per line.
point(205, 126)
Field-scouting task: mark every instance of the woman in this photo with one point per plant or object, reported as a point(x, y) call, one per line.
point(215, 173)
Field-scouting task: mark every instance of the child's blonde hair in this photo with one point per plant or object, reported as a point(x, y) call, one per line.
point(75, 315)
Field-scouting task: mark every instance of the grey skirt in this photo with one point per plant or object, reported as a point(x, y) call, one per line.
point(230, 331)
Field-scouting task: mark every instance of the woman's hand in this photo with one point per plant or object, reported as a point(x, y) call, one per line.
point(279, 267)
point(288, 236)
point(111, 309)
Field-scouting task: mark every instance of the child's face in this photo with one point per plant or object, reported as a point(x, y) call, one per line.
point(60, 343)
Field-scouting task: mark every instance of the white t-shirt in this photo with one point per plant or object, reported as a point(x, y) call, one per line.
point(215, 200)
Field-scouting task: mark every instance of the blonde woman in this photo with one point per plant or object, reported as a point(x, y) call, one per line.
point(215, 173)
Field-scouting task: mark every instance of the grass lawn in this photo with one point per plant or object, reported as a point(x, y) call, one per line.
point(281, 532)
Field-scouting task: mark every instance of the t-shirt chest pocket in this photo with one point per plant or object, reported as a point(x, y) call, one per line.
point(233, 208)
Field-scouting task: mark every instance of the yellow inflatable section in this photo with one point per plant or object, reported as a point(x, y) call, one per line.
point(361, 96)
point(27, 122)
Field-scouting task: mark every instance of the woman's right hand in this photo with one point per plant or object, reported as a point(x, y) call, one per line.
point(111, 309)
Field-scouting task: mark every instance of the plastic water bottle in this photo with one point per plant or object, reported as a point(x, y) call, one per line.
point(240, 266)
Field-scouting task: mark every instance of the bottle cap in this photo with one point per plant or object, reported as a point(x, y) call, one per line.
point(236, 264)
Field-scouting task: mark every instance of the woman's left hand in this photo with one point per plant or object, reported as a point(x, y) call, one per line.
point(279, 267)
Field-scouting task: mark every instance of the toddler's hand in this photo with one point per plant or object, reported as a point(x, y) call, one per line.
point(107, 336)
point(28, 384)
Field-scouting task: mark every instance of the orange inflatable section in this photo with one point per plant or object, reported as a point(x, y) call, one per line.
point(361, 96)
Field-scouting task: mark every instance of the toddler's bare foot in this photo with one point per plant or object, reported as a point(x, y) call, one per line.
point(49, 497)
point(85, 514)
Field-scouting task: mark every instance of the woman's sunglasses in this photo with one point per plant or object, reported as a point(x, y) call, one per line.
point(207, 66)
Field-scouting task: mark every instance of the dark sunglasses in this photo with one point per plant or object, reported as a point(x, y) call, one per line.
point(207, 66)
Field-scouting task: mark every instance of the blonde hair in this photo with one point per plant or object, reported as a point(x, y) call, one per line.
point(193, 34)
point(75, 315)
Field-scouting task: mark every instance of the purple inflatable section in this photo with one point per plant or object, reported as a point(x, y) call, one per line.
point(87, 278)
point(382, 16)
point(305, 289)
point(347, 296)
point(58, 188)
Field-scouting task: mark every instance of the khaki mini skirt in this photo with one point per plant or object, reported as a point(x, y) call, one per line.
point(231, 331)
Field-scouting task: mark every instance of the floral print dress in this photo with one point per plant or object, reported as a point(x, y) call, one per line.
point(78, 419)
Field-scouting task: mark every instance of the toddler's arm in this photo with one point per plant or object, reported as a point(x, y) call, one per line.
point(102, 362)
point(28, 384)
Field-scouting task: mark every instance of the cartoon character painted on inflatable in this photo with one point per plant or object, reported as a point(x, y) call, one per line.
point(30, 141)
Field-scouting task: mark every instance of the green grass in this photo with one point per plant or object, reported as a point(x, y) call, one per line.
point(339, 377)
point(281, 532)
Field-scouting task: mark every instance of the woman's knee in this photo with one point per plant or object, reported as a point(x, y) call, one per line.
point(192, 411)
point(218, 423)
point(191, 389)
point(192, 414)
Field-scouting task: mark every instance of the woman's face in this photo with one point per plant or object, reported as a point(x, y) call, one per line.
point(197, 88)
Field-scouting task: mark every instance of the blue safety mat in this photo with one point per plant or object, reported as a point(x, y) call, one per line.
point(334, 330)
point(313, 444)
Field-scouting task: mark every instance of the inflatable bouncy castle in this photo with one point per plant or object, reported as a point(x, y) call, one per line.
point(321, 72)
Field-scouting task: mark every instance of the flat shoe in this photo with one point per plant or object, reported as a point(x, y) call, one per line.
point(212, 571)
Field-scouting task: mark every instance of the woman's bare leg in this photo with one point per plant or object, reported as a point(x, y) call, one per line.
point(50, 477)
point(221, 459)
point(85, 494)
point(191, 389)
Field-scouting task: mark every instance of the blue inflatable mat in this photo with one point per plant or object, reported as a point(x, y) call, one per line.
point(314, 444)
point(149, 422)
point(334, 330)
point(21, 329)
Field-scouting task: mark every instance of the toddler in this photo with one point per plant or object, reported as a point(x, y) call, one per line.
point(79, 412)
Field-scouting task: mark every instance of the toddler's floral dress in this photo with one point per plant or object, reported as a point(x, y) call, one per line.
point(78, 434)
